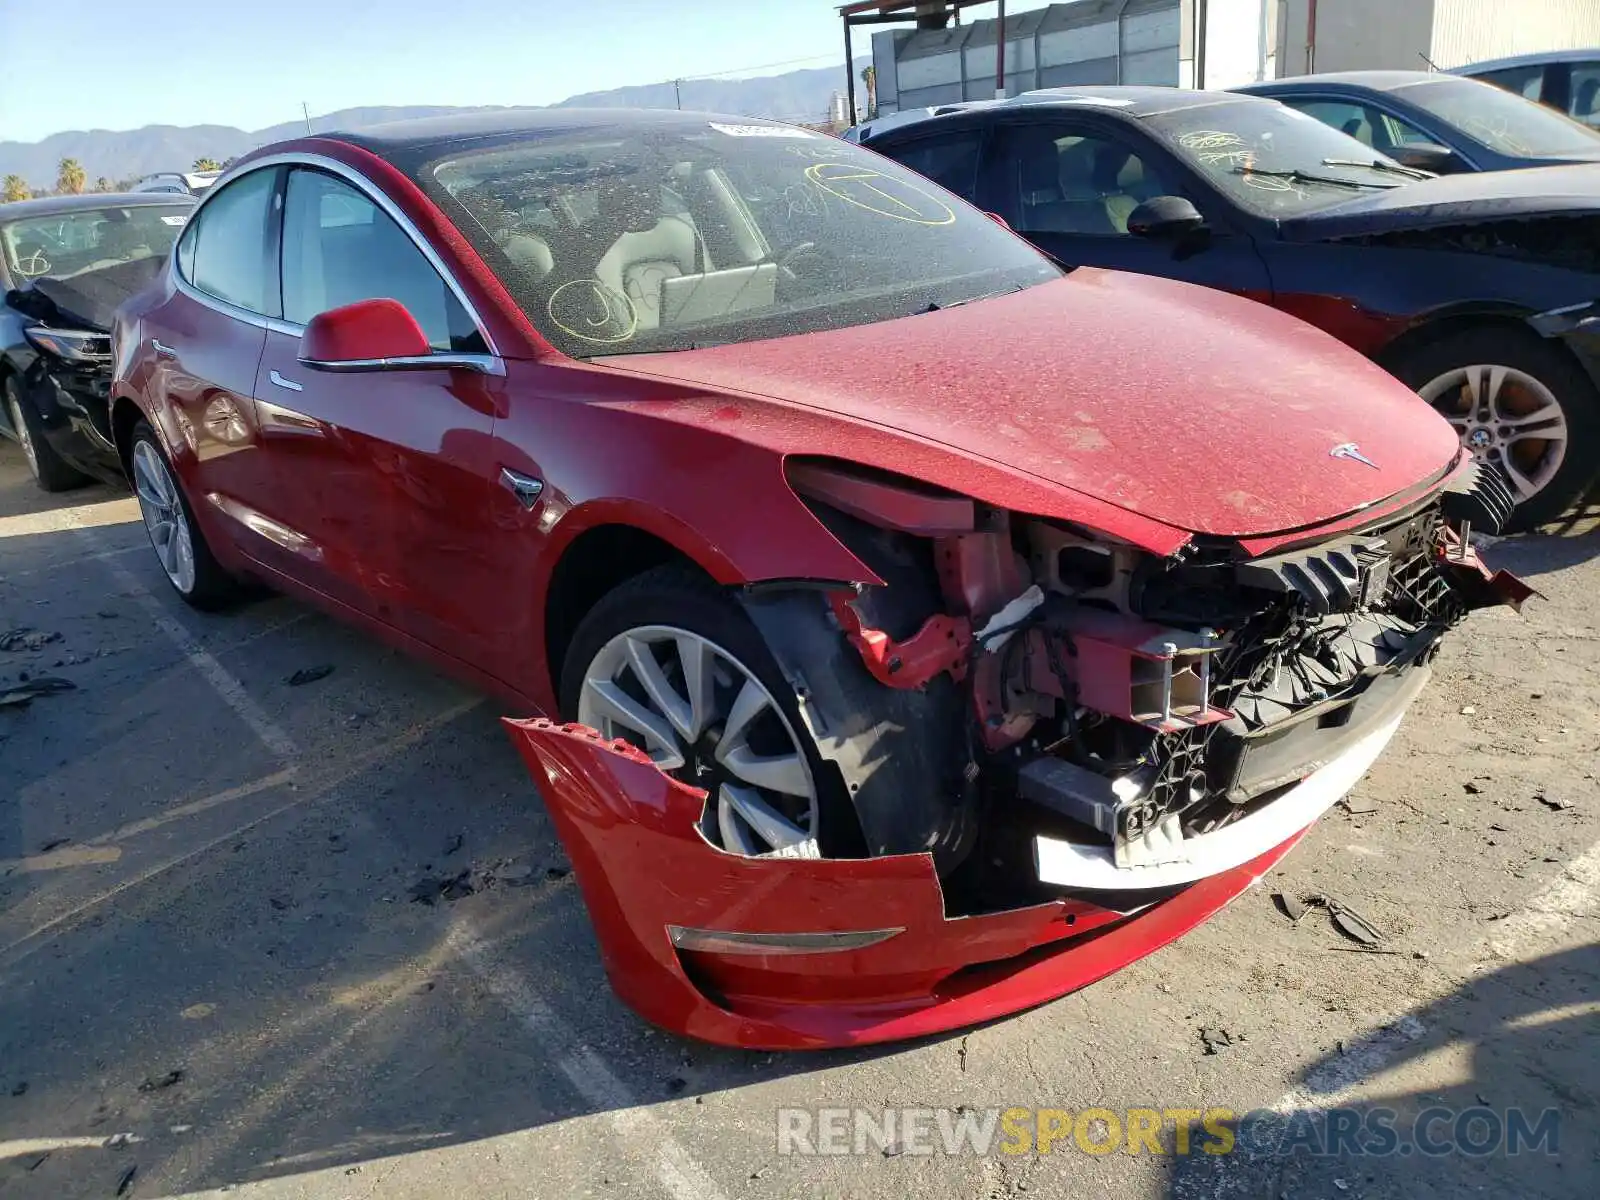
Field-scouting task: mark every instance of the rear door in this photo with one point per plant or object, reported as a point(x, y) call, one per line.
point(205, 340)
point(1069, 185)
point(384, 474)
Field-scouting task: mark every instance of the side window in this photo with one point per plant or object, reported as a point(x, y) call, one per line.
point(1395, 132)
point(1524, 81)
point(340, 247)
point(1585, 93)
point(1073, 183)
point(951, 162)
point(1347, 116)
point(224, 250)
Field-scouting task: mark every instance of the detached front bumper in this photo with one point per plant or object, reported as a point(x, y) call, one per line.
point(775, 953)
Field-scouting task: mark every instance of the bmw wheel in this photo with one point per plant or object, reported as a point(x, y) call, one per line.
point(180, 546)
point(1520, 404)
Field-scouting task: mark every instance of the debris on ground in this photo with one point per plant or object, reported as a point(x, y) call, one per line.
point(433, 888)
point(1553, 803)
point(25, 691)
point(161, 1083)
point(1289, 905)
point(24, 638)
point(557, 872)
point(1344, 918)
point(54, 844)
point(19, 1088)
point(455, 843)
point(1467, 710)
point(307, 675)
point(1358, 808)
point(1471, 788)
point(126, 1181)
point(961, 1054)
point(1215, 1040)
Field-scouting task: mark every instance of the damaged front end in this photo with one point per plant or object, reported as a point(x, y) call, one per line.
point(1060, 750)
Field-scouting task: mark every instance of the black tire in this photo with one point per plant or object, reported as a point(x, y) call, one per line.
point(678, 596)
point(212, 588)
point(50, 471)
point(1551, 366)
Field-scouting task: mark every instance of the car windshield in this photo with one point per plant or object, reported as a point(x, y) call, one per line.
point(1273, 160)
point(678, 234)
point(1502, 121)
point(65, 244)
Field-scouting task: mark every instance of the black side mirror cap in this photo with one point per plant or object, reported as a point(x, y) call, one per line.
point(1165, 217)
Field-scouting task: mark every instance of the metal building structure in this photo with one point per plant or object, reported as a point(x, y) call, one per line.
point(1349, 35)
point(941, 59)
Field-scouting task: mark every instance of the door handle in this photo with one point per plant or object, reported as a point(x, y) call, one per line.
point(284, 383)
point(162, 349)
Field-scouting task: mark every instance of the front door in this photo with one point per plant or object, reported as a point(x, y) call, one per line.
point(1069, 187)
point(206, 338)
point(385, 473)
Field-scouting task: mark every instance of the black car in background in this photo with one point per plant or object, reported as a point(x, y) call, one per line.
point(1443, 123)
point(66, 263)
point(1480, 291)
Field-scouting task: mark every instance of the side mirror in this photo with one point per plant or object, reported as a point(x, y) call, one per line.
point(1165, 217)
point(1427, 156)
point(368, 335)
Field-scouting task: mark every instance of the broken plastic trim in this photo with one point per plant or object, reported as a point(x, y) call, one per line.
point(713, 941)
point(1558, 322)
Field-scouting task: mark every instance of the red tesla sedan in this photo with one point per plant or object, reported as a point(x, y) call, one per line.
point(916, 607)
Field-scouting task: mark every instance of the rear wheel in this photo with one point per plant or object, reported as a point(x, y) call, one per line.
point(179, 544)
point(1520, 404)
point(671, 664)
point(50, 471)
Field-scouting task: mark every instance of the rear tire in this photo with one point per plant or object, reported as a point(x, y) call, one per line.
point(1500, 388)
point(50, 471)
point(181, 548)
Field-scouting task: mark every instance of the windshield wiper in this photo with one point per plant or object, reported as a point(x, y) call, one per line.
point(939, 305)
point(1375, 165)
point(1300, 176)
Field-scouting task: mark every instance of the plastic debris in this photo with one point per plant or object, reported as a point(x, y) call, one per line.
point(126, 1181)
point(1289, 905)
point(161, 1083)
point(20, 694)
point(24, 638)
point(1553, 803)
point(307, 675)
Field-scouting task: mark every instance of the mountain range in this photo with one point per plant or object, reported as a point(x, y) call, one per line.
point(795, 96)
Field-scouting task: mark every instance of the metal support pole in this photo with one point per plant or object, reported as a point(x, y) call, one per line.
point(677, 91)
point(849, 75)
point(1000, 53)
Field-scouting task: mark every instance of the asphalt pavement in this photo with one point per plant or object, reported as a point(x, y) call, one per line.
point(270, 931)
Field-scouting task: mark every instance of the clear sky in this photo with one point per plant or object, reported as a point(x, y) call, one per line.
point(120, 64)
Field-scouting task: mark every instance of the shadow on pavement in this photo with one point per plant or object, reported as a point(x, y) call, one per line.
point(1519, 1043)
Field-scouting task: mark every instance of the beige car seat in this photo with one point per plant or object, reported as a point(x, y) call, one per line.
point(638, 262)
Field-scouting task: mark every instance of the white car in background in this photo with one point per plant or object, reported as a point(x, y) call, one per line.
point(183, 183)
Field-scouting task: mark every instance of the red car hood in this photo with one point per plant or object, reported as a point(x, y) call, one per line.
point(1198, 409)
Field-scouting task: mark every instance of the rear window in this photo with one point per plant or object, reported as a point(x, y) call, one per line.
point(671, 235)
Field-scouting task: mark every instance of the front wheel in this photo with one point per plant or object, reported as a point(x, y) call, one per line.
point(671, 664)
point(50, 471)
point(1520, 404)
point(180, 546)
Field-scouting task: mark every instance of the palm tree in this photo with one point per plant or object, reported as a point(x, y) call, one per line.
point(206, 164)
point(70, 177)
point(16, 188)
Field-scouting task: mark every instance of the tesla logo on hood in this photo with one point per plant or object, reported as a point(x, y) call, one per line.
point(1353, 452)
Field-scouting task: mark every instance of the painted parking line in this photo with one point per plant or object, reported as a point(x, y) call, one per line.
point(658, 1154)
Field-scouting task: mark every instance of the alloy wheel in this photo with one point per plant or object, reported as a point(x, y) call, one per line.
point(704, 718)
point(23, 436)
point(1505, 417)
point(164, 519)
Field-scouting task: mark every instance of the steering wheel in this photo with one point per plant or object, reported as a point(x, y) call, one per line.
point(34, 264)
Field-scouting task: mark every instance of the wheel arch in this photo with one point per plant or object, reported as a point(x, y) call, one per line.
point(125, 414)
point(600, 558)
point(1448, 322)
